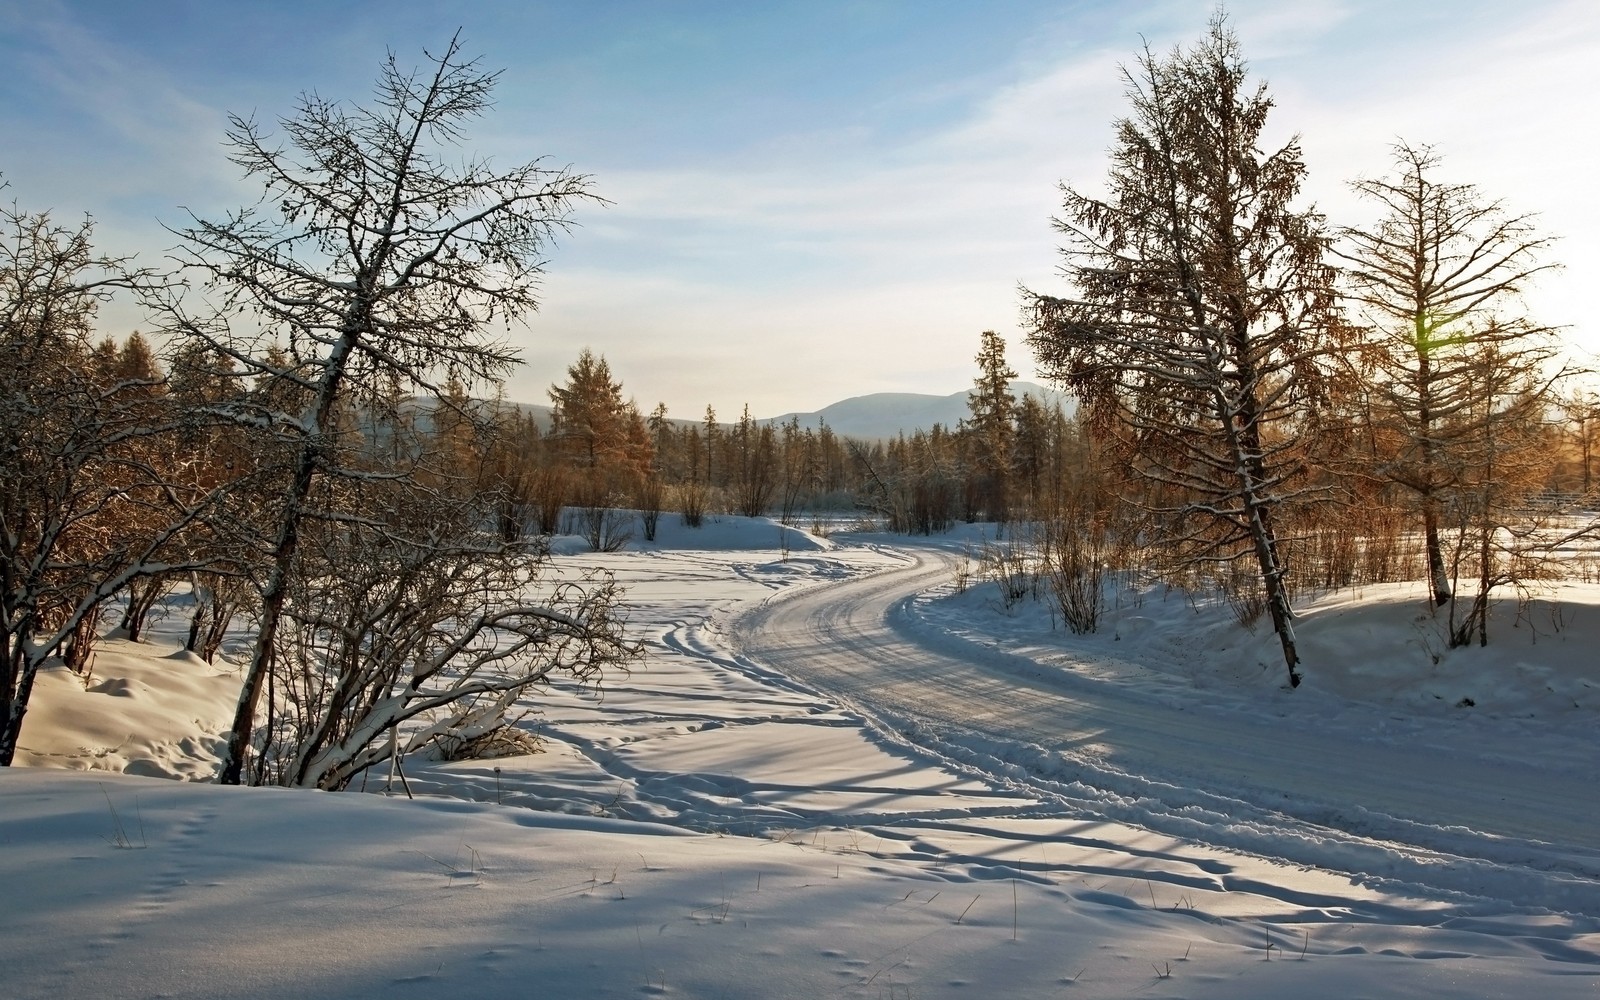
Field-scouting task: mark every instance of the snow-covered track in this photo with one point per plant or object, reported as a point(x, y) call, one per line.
point(1430, 812)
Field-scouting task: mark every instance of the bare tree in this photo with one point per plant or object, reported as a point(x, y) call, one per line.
point(375, 260)
point(878, 494)
point(1437, 280)
point(1200, 304)
point(87, 504)
point(421, 619)
point(1498, 455)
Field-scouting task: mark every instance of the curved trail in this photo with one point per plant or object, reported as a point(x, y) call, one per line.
point(1457, 821)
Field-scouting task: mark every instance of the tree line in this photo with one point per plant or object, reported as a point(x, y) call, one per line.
point(598, 450)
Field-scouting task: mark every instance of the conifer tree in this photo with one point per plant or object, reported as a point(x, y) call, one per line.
point(992, 427)
point(1437, 280)
point(589, 420)
point(1200, 308)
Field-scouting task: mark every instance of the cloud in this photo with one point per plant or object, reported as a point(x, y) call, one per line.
point(864, 259)
point(867, 248)
point(151, 133)
point(870, 268)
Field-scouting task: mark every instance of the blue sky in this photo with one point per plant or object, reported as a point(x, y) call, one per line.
point(810, 201)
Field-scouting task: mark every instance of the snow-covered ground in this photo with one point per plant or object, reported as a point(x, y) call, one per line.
point(739, 818)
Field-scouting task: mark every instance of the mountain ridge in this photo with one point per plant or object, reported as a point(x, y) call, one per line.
point(880, 415)
point(873, 416)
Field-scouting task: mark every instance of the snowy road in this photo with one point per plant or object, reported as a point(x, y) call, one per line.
point(1421, 806)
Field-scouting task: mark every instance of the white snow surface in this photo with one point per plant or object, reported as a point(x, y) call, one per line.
point(834, 775)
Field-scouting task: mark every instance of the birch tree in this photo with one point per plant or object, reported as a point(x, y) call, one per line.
point(1199, 304)
point(377, 257)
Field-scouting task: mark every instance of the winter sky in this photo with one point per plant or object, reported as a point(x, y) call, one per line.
point(810, 200)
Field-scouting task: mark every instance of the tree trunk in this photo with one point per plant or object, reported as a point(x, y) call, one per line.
point(1244, 437)
point(200, 621)
point(283, 552)
point(1272, 578)
point(15, 705)
point(78, 650)
point(1264, 541)
point(1438, 572)
point(272, 601)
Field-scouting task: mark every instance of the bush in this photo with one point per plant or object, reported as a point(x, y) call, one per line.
point(1077, 573)
point(505, 740)
point(692, 504)
point(1008, 566)
point(651, 498)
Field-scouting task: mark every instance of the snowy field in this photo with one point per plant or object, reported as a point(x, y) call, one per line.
point(834, 775)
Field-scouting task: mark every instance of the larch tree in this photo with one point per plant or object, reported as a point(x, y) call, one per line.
point(638, 445)
point(992, 427)
point(132, 366)
point(589, 414)
point(1500, 455)
point(1030, 464)
point(1200, 304)
point(377, 258)
point(1582, 410)
point(711, 437)
point(752, 464)
point(1437, 281)
point(796, 450)
point(663, 443)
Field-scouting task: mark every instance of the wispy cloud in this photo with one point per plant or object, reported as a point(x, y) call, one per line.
point(865, 244)
point(864, 257)
point(154, 134)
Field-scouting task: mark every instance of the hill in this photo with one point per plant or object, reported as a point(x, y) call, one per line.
point(873, 416)
point(886, 414)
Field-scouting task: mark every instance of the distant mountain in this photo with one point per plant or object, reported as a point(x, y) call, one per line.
point(873, 416)
point(886, 414)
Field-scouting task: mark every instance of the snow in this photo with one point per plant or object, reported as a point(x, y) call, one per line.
point(732, 819)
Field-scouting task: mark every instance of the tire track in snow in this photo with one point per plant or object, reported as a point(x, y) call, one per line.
point(1434, 817)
